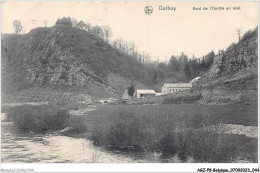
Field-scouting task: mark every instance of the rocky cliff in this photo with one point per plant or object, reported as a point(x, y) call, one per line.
point(232, 79)
point(62, 63)
point(233, 76)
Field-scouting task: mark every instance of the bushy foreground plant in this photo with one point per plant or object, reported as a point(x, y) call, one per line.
point(167, 132)
point(182, 99)
point(41, 118)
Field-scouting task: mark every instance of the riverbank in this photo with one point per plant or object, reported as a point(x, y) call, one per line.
point(159, 133)
point(49, 148)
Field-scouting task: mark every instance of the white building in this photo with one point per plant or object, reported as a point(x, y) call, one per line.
point(144, 93)
point(175, 87)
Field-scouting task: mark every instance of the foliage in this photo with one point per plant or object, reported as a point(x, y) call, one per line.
point(170, 131)
point(107, 32)
point(165, 129)
point(73, 105)
point(98, 31)
point(82, 25)
point(48, 56)
point(249, 34)
point(73, 53)
point(131, 90)
point(66, 22)
point(38, 118)
point(17, 26)
point(182, 99)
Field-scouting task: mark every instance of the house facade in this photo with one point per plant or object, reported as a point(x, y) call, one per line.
point(175, 87)
point(144, 93)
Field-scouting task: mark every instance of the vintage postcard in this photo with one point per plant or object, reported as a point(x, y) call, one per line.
point(129, 82)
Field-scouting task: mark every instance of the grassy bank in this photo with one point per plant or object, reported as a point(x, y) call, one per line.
point(40, 118)
point(47, 118)
point(182, 99)
point(170, 130)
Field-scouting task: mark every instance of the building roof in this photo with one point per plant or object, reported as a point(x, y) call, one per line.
point(195, 79)
point(145, 91)
point(182, 85)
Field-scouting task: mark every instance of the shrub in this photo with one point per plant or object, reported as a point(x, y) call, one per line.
point(64, 22)
point(168, 130)
point(248, 35)
point(119, 130)
point(39, 118)
point(167, 145)
point(74, 105)
point(78, 125)
point(221, 148)
point(131, 90)
point(181, 99)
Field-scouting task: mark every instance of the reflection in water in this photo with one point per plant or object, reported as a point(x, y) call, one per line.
point(51, 149)
point(31, 148)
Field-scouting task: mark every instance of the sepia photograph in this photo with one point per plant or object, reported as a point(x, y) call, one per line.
point(130, 82)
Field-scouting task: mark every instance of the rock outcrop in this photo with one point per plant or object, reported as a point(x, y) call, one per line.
point(62, 63)
point(233, 76)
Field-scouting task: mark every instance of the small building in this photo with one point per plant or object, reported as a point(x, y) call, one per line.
point(195, 80)
point(144, 93)
point(175, 87)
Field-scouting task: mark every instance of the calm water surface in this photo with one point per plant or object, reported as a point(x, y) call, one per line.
point(34, 148)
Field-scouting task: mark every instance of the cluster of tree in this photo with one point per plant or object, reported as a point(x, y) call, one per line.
point(123, 57)
point(131, 90)
point(180, 68)
point(103, 32)
point(138, 66)
point(17, 26)
point(190, 68)
point(131, 50)
point(20, 28)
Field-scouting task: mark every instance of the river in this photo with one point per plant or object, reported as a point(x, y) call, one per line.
point(33, 148)
point(18, 147)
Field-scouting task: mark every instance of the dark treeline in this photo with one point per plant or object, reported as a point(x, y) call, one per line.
point(180, 68)
point(73, 53)
point(93, 50)
point(93, 47)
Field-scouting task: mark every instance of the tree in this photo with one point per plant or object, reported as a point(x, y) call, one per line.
point(107, 32)
point(209, 59)
point(97, 30)
point(17, 26)
point(131, 90)
point(64, 22)
point(45, 23)
point(187, 71)
point(174, 64)
point(88, 26)
point(82, 25)
point(238, 33)
point(155, 77)
point(74, 22)
point(203, 64)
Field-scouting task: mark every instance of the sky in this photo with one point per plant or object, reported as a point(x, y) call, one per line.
point(161, 34)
